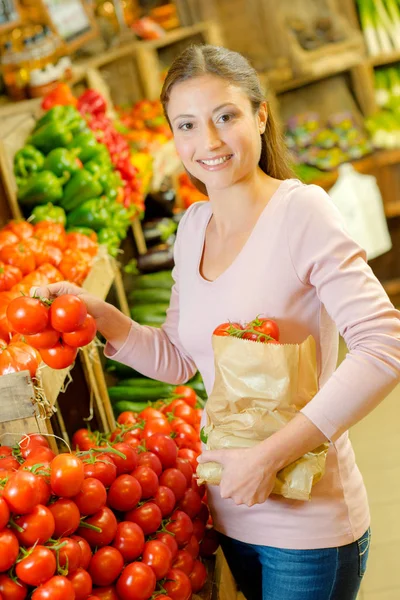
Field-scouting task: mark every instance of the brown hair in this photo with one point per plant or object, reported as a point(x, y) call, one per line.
point(196, 61)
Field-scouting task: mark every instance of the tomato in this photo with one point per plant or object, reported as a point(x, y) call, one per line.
point(19, 255)
point(131, 439)
point(187, 413)
point(37, 527)
point(82, 583)
point(151, 413)
point(47, 338)
point(7, 238)
point(148, 481)
point(50, 272)
point(170, 541)
point(265, 328)
point(67, 313)
point(181, 526)
point(176, 481)
point(225, 329)
point(37, 567)
point(30, 442)
point(9, 548)
point(163, 447)
point(67, 475)
point(86, 552)
point(11, 589)
point(5, 451)
point(66, 516)
point(78, 241)
point(127, 418)
point(18, 357)
point(137, 582)
point(210, 542)
point(51, 233)
point(59, 356)
point(106, 565)
point(158, 557)
point(22, 229)
point(129, 540)
point(200, 489)
point(148, 459)
point(105, 520)
point(156, 426)
point(124, 493)
point(172, 406)
point(193, 546)
point(199, 529)
point(165, 500)
point(148, 517)
point(83, 335)
point(9, 276)
point(10, 463)
point(127, 464)
point(56, 588)
point(186, 436)
point(188, 394)
point(21, 492)
point(107, 593)
point(92, 496)
point(75, 266)
point(198, 576)
point(4, 513)
point(190, 503)
point(184, 561)
point(204, 513)
point(103, 469)
point(178, 585)
point(83, 439)
point(70, 555)
point(184, 466)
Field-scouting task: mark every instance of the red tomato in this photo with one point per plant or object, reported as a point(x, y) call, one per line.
point(107, 593)
point(11, 589)
point(7, 238)
point(67, 313)
point(210, 542)
point(198, 576)
point(9, 548)
point(158, 557)
point(86, 552)
point(92, 496)
point(21, 492)
point(27, 315)
point(103, 469)
point(148, 459)
point(105, 520)
point(22, 229)
point(204, 513)
point(176, 481)
point(4, 513)
point(59, 356)
point(18, 356)
point(9, 276)
point(37, 567)
point(66, 516)
point(129, 540)
point(184, 561)
point(47, 338)
point(127, 418)
point(186, 436)
point(56, 588)
point(190, 503)
point(187, 393)
point(37, 527)
point(82, 336)
point(82, 584)
point(156, 426)
point(148, 481)
point(181, 526)
point(165, 500)
point(199, 529)
point(67, 475)
point(124, 493)
point(226, 329)
point(31, 441)
point(170, 541)
point(163, 447)
point(178, 585)
point(10, 463)
point(137, 582)
point(70, 555)
point(106, 565)
point(200, 489)
point(83, 439)
point(43, 486)
point(151, 413)
point(187, 413)
point(148, 517)
point(193, 546)
point(19, 255)
point(172, 406)
point(184, 466)
point(41, 454)
point(127, 464)
point(266, 328)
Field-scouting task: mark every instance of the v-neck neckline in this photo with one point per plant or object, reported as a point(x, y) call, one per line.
point(278, 192)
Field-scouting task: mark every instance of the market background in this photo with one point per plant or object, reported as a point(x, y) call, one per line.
point(331, 71)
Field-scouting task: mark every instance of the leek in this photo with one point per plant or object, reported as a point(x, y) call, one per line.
point(386, 25)
point(365, 9)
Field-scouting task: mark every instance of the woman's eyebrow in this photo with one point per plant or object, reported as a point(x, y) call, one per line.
point(186, 116)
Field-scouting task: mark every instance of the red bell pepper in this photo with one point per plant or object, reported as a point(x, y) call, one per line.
point(92, 102)
point(61, 95)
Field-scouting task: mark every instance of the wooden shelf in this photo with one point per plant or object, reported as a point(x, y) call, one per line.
point(384, 59)
point(392, 287)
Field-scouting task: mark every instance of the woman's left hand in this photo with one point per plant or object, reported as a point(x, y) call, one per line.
point(248, 477)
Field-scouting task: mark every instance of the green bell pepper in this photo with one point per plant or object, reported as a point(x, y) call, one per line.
point(110, 183)
point(92, 213)
point(41, 188)
point(51, 135)
point(88, 145)
point(49, 212)
point(101, 163)
point(61, 160)
point(28, 160)
point(110, 239)
point(68, 115)
point(82, 186)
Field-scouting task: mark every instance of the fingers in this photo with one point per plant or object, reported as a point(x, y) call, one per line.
point(56, 289)
point(211, 456)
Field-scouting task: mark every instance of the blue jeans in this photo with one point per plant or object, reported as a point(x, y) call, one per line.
point(266, 573)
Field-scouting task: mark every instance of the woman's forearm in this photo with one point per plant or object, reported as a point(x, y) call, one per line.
point(113, 325)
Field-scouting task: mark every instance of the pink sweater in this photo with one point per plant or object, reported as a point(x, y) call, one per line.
point(299, 267)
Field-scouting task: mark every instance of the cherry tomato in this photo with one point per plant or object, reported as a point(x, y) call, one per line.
point(30, 442)
point(184, 561)
point(124, 493)
point(200, 489)
point(178, 585)
point(186, 436)
point(21, 492)
point(67, 313)
point(9, 548)
point(56, 588)
point(158, 557)
point(11, 589)
point(18, 356)
point(204, 513)
point(67, 475)
point(156, 426)
point(40, 454)
point(59, 356)
point(148, 517)
point(4, 513)
point(193, 546)
point(188, 394)
point(199, 529)
point(66, 516)
point(187, 413)
point(165, 500)
point(210, 543)
point(9, 463)
point(148, 481)
point(83, 439)
point(148, 459)
point(170, 541)
point(181, 526)
point(129, 540)
point(127, 418)
point(163, 447)
point(127, 464)
point(106, 565)
point(107, 593)
point(190, 503)
point(225, 329)
point(151, 413)
point(37, 526)
point(83, 335)
point(86, 551)
point(37, 567)
point(184, 466)
point(82, 583)
point(47, 338)
point(92, 496)
point(137, 582)
point(70, 555)
point(105, 520)
point(103, 469)
point(176, 481)
point(198, 576)
point(266, 328)
point(27, 315)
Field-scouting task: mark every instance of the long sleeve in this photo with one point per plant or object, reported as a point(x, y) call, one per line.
point(325, 257)
point(158, 352)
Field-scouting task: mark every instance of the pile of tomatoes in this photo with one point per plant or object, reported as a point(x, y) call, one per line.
point(120, 518)
point(259, 329)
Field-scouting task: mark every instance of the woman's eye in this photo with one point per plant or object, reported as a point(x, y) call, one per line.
point(186, 126)
point(225, 118)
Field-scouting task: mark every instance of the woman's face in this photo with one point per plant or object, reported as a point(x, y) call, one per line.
point(216, 132)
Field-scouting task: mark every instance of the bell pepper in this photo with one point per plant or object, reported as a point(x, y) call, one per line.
point(110, 183)
point(110, 239)
point(92, 102)
point(61, 160)
point(82, 186)
point(41, 188)
point(49, 212)
point(92, 213)
point(28, 160)
point(121, 217)
point(84, 231)
point(100, 163)
point(87, 144)
point(51, 135)
point(61, 95)
point(66, 114)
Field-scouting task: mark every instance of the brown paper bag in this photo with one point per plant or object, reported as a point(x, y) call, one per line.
point(259, 388)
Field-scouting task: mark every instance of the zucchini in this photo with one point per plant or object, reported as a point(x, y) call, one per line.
point(150, 296)
point(134, 394)
point(123, 405)
point(158, 257)
point(160, 279)
point(142, 382)
point(120, 370)
point(149, 312)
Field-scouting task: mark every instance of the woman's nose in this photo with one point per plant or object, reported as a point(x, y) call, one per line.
point(212, 138)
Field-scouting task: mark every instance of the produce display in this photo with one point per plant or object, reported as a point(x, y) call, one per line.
point(121, 517)
point(384, 126)
point(313, 34)
point(380, 22)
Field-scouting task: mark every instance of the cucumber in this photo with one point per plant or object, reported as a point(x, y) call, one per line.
point(120, 370)
point(150, 296)
point(124, 405)
point(145, 317)
point(141, 382)
point(134, 394)
point(160, 279)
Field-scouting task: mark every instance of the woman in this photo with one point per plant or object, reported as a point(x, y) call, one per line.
point(266, 243)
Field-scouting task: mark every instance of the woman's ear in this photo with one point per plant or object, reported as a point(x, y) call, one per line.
point(262, 117)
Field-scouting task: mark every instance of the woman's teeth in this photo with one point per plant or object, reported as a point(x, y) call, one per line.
point(216, 161)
